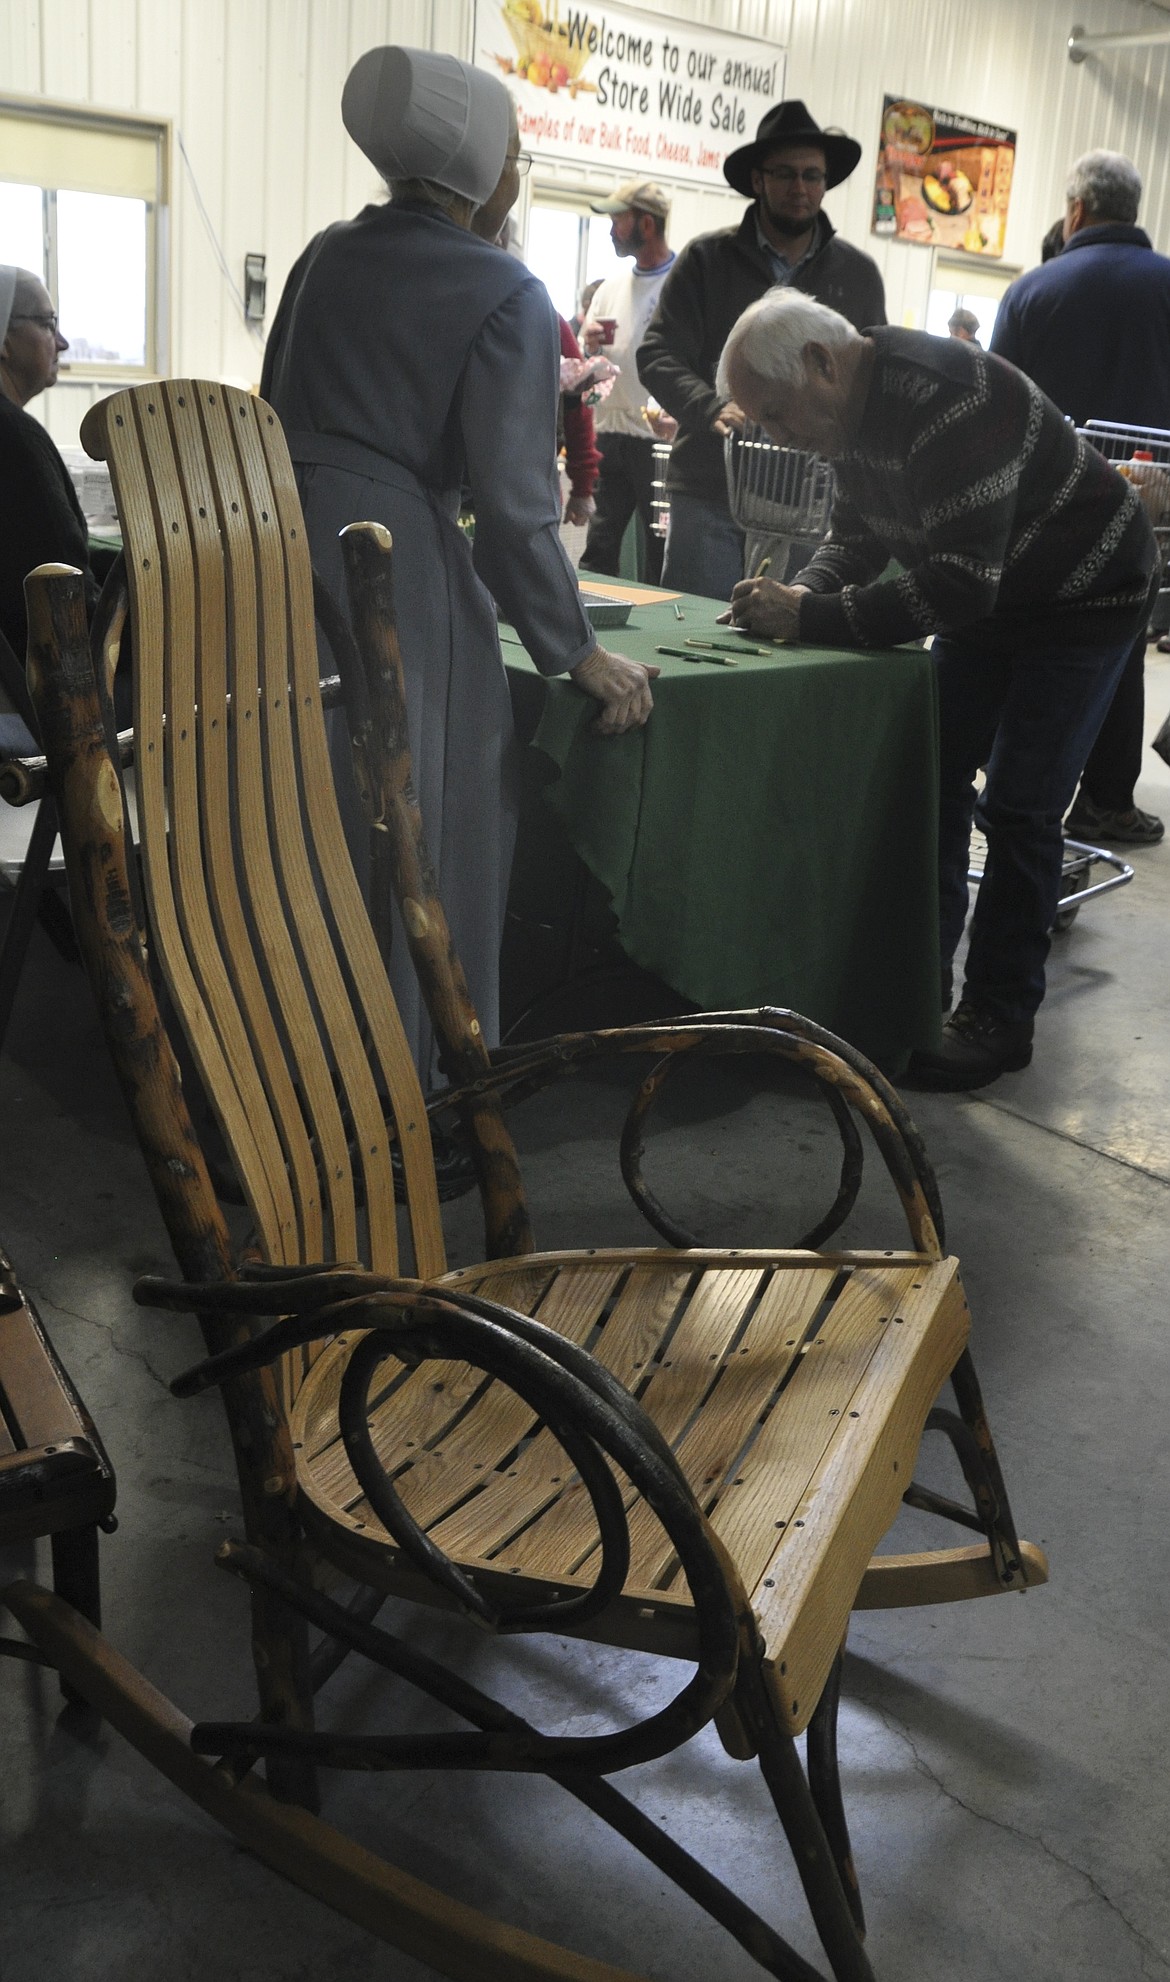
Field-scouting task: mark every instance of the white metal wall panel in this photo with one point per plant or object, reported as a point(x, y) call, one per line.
point(200, 295)
point(254, 86)
point(20, 46)
point(1005, 62)
point(113, 54)
point(65, 41)
point(325, 159)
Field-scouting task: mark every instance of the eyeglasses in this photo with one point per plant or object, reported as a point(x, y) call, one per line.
point(522, 160)
point(29, 316)
point(809, 175)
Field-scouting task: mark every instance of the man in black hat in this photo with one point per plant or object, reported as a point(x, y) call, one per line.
point(783, 238)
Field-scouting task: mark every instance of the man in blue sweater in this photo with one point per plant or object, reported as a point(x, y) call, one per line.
point(1092, 328)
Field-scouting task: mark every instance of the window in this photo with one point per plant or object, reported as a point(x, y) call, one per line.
point(568, 247)
point(957, 285)
point(82, 203)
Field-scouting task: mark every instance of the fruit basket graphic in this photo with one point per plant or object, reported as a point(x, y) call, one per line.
point(543, 43)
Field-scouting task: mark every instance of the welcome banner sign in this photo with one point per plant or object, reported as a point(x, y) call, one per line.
point(635, 92)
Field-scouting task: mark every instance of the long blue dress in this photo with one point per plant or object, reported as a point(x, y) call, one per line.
point(409, 360)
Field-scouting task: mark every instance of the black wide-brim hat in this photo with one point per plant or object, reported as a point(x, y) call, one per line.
point(791, 124)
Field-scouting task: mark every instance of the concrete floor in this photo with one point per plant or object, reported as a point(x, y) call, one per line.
point(1004, 1762)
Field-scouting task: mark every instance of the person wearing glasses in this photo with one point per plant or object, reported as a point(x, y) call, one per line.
point(409, 358)
point(40, 517)
point(784, 237)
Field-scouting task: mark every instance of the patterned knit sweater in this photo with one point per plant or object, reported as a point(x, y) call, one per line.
point(1010, 528)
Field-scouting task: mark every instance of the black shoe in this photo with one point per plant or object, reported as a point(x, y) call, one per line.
point(1098, 826)
point(977, 1046)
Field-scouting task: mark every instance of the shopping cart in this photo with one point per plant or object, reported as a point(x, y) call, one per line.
point(659, 500)
point(780, 497)
point(1142, 455)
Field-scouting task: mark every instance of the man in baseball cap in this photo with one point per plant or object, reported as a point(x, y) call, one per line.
point(636, 196)
point(618, 315)
point(784, 238)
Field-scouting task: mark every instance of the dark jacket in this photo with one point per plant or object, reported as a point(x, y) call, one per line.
point(1092, 327)
point(40, 517)
point(710, 286)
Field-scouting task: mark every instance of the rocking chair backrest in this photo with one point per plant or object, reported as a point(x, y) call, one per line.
point(257, 921)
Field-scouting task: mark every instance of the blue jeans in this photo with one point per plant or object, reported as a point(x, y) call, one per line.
point(624, 486)
point(704, 549)
point(1031, 718)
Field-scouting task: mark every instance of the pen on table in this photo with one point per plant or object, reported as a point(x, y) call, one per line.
point(678, 611)
point(725, 646)
point(717, 660)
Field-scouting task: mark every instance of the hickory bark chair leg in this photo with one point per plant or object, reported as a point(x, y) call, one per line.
point(545, 1441)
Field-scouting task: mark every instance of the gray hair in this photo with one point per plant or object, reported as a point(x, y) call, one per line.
point(425, 192)
point(1109, 184)
point(769, 338)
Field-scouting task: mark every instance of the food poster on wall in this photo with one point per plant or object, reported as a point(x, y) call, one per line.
point(639, 93)
point(943, 180)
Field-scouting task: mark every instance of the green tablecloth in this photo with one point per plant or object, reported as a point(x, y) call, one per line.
point(770, 836)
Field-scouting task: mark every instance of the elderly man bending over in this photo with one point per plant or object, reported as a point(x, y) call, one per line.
point(1027, 557)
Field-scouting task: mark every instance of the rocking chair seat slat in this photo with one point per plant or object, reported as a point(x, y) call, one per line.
point(793, 1395)
point(430, 1398)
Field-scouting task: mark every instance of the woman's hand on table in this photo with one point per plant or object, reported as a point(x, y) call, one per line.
point(621, 686)
point(764, 607)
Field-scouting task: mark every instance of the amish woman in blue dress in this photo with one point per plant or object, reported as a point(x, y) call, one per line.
point(408, 360)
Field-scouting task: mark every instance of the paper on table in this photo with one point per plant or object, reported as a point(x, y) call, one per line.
point(635, 595)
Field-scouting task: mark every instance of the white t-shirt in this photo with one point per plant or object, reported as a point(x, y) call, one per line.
point(630, 298)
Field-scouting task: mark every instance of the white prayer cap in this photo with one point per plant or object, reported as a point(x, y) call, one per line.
point(422, 116)
point(9, 277)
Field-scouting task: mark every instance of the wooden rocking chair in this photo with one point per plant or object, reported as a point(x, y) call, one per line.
point(688, 1452)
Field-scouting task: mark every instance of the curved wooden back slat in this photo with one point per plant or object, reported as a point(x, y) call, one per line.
point(260, 929)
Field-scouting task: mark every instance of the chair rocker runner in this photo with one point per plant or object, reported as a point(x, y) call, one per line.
point(689, 1452)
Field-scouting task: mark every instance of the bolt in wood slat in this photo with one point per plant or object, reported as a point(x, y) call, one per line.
point(776, 1471)
point(804, 1593)
point(644, 1311)
point(441, 1476)
point(677, 1386)
point(417, 1414)
point(748, 1378)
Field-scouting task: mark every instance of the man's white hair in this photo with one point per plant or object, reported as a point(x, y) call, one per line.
point(1110, 185)
point(769, 338)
